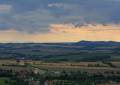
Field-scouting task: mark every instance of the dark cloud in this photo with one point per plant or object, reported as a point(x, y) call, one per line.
point(37, 15)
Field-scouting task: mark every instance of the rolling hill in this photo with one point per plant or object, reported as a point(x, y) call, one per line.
point(79, 51)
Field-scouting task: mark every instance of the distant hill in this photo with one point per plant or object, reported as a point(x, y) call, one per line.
point(97, 43)
point(79, 51)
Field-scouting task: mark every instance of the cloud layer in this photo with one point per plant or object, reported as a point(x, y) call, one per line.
point(48, 20)
point(5, 8)
point(65, 33)
point(36, 15)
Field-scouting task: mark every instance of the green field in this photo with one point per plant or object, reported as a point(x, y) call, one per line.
point(4, 81)
point(7, 81)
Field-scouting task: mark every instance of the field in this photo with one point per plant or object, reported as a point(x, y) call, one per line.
point(54, 71)
point(6, 81)
point(2, 81)
point(91, 67)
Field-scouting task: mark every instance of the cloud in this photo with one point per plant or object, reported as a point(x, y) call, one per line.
point(36, 15)
point(4, 8)
point(96, 32)
point(65, 33)
point(56, 5)
point(73, 29)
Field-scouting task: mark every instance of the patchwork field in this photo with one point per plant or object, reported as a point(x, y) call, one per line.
point(91, 67)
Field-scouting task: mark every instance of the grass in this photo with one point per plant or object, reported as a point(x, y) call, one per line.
point(3, 81)
point(6, 81)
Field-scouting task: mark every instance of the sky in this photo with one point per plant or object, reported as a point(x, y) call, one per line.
point(59, 20)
